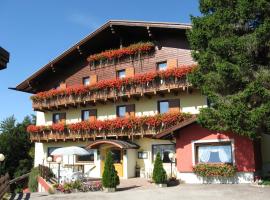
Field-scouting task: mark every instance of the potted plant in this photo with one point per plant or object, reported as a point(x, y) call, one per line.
point(159, 173)
point(110, 178)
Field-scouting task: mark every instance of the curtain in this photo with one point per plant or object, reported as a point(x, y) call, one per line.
point(224, 153)
point(204, 154)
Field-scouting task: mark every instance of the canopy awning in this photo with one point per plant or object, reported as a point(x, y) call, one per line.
point(170, 131)
point(118, 143)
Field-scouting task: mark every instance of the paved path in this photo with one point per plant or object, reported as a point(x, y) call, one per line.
point(181, 192)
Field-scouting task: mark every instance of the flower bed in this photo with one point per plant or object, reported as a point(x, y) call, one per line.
point(116, 84)
point(215, 170)
point(157, 122)
point(141, 47)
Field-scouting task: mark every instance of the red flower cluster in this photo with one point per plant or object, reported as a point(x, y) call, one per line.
point(114, 84)
point(157, 121)
point(119, 53)
point(214, 170)
point(59, 127)
point(33, 129)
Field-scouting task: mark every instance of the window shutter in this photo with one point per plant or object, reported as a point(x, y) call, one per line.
point(92, 114)
point(93, 79)
point(63, 117)
point(174, 105)
point(172, 63)
point(130, 72)
point(130, 110)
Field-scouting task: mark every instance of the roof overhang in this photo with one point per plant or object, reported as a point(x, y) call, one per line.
point(117, 143)
point(92, 44)
point(171, 131)
point(4, 58)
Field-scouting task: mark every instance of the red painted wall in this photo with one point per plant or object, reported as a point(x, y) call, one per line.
point(243, 147)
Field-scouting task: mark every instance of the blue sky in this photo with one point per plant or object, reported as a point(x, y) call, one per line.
point(35, 32)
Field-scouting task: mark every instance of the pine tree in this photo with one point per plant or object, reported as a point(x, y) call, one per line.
point(110, 178)
point(231, 43)
point(159, 173)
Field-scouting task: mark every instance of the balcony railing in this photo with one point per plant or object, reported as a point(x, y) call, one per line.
point(117, 127)
point(154, 87)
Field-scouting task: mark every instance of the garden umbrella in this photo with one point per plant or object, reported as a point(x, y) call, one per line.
point(70, 151)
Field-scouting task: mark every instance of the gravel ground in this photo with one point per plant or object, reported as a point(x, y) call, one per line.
point(182, 192)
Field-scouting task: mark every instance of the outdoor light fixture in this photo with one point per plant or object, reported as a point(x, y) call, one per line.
point(2, 158)
point(171, 156)
point(58, 161)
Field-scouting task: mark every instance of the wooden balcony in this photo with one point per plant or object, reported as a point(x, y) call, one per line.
point(159, 87)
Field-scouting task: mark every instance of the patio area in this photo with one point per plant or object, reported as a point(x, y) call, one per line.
point(127, 190)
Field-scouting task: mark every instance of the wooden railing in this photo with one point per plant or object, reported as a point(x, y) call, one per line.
point(136, 91)
point(4, 185)
point(44, 172)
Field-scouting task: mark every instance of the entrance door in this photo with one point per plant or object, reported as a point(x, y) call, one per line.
point(117, 155)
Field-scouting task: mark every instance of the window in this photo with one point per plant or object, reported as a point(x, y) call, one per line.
point(121, 111)
point(163, 107)
point(85, 115)
point(121, 73)
point(59, 117)
point(162, 66)
point(164, 150)
point(86, 81)
point(50, 150)
point(86, 158)
point(116, 155)
point(214, 153)
point(142, 155)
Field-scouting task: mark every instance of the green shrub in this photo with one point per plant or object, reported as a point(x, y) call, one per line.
point(32, 181)
point(77, 185)
point(67, 187)
point(215, 170)
point(159, 173)
point(110, 178)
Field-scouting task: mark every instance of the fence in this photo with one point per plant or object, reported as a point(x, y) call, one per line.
point(4, 185)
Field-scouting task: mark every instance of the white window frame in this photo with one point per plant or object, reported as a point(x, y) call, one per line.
point(197, 142)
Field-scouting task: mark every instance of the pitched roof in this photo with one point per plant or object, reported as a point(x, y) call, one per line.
point(170, 131)
point(48, 68)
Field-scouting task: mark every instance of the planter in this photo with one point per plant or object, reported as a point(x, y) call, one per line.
point(108, 190)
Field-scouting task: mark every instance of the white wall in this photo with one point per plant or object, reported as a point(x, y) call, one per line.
point(240, 177)
point(189, 103)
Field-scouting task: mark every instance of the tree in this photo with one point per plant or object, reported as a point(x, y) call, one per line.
point(159, 173)
point(16, 146)
point(231, 44)
point(110, 178)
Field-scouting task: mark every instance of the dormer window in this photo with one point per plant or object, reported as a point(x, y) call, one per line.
point(86, 81)
point(121, 73)
point(162, 66)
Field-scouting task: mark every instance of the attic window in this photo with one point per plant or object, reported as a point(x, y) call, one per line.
point(121, 73)
point(86, 81)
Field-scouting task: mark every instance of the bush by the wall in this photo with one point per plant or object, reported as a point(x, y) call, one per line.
point(110, 178)
point(32, 181)
point(159, 173)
